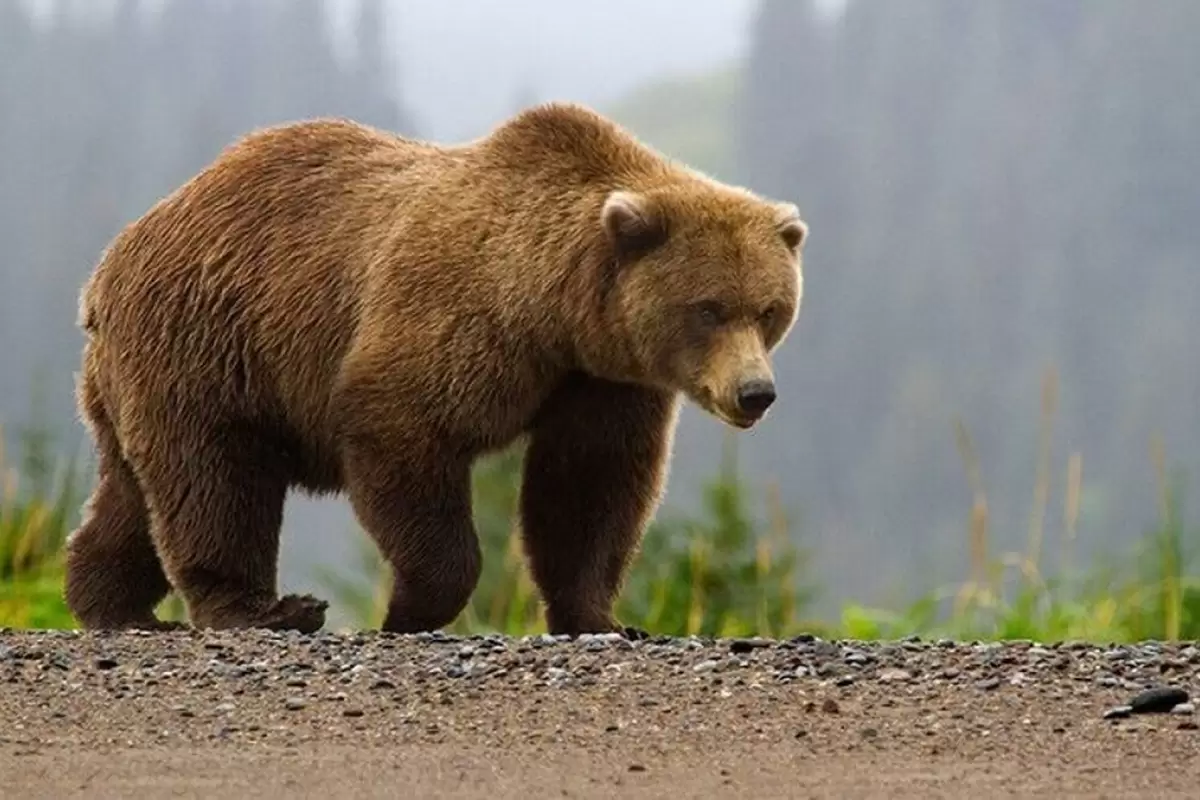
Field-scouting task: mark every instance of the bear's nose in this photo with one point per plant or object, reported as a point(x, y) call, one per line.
point(755, 397)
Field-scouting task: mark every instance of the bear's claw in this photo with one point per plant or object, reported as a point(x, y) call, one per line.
point(303, 613)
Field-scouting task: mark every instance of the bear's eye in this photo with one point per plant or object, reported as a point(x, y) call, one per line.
point(710, 312)
point(768, 315)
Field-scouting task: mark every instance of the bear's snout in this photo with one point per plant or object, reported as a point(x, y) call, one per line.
point(755, 396)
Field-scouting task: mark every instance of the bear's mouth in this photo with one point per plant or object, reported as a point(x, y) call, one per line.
point(735, 419)
point(740, 421)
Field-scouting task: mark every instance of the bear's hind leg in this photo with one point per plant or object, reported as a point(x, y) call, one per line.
point(216, 508)
point(594, 473)
point(113, 576)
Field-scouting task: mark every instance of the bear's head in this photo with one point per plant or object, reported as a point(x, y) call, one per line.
point(708, 284)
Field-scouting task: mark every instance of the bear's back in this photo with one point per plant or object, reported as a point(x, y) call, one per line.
point(241, 288)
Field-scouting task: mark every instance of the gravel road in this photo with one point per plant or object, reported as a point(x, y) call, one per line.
point(230, 715)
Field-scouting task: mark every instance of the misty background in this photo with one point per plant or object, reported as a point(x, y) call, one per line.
point(995, 188)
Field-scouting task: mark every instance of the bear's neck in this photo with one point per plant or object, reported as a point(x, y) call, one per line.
point(596, 338)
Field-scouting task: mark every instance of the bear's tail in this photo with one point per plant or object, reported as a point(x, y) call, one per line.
point(88, 318)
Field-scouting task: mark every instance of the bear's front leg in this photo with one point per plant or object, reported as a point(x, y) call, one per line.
point(594, 474)
point(416, 505)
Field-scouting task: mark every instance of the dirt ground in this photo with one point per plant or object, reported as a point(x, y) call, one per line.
point(203, 714)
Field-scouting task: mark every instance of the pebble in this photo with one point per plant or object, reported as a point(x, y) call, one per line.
point(748, 645)
point(1159, 699)
point(705, 666)
point(294, 704)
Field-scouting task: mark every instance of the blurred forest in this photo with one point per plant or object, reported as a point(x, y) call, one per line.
point(995, 188)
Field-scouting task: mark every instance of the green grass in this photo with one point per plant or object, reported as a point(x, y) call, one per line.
point(37, 509)
point(722, 571)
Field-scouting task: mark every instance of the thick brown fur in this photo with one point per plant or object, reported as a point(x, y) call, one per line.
point(334, 308)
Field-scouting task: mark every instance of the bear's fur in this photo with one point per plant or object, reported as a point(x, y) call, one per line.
point(331, 307)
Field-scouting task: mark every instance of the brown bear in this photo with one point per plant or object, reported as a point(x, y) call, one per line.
point(329, 307)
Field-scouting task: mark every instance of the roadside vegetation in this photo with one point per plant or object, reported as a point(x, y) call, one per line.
point(723, 570)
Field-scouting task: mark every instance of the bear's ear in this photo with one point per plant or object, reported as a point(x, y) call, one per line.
point(793, 229)
point(633, 224)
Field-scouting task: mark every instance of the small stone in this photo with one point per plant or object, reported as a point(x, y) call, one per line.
point(988, 684)
point(294, 704)
point(352, 712)
point(830, 706)
point(747, 645)
point(705, 666)
point(1118, 712)
point(893, 674)
point(869, 733)
point(1184, 709)
point(844, 681)
point(1159, 699)
point(224, 708)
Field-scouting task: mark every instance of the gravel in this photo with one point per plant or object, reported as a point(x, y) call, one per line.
point(701, 710)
